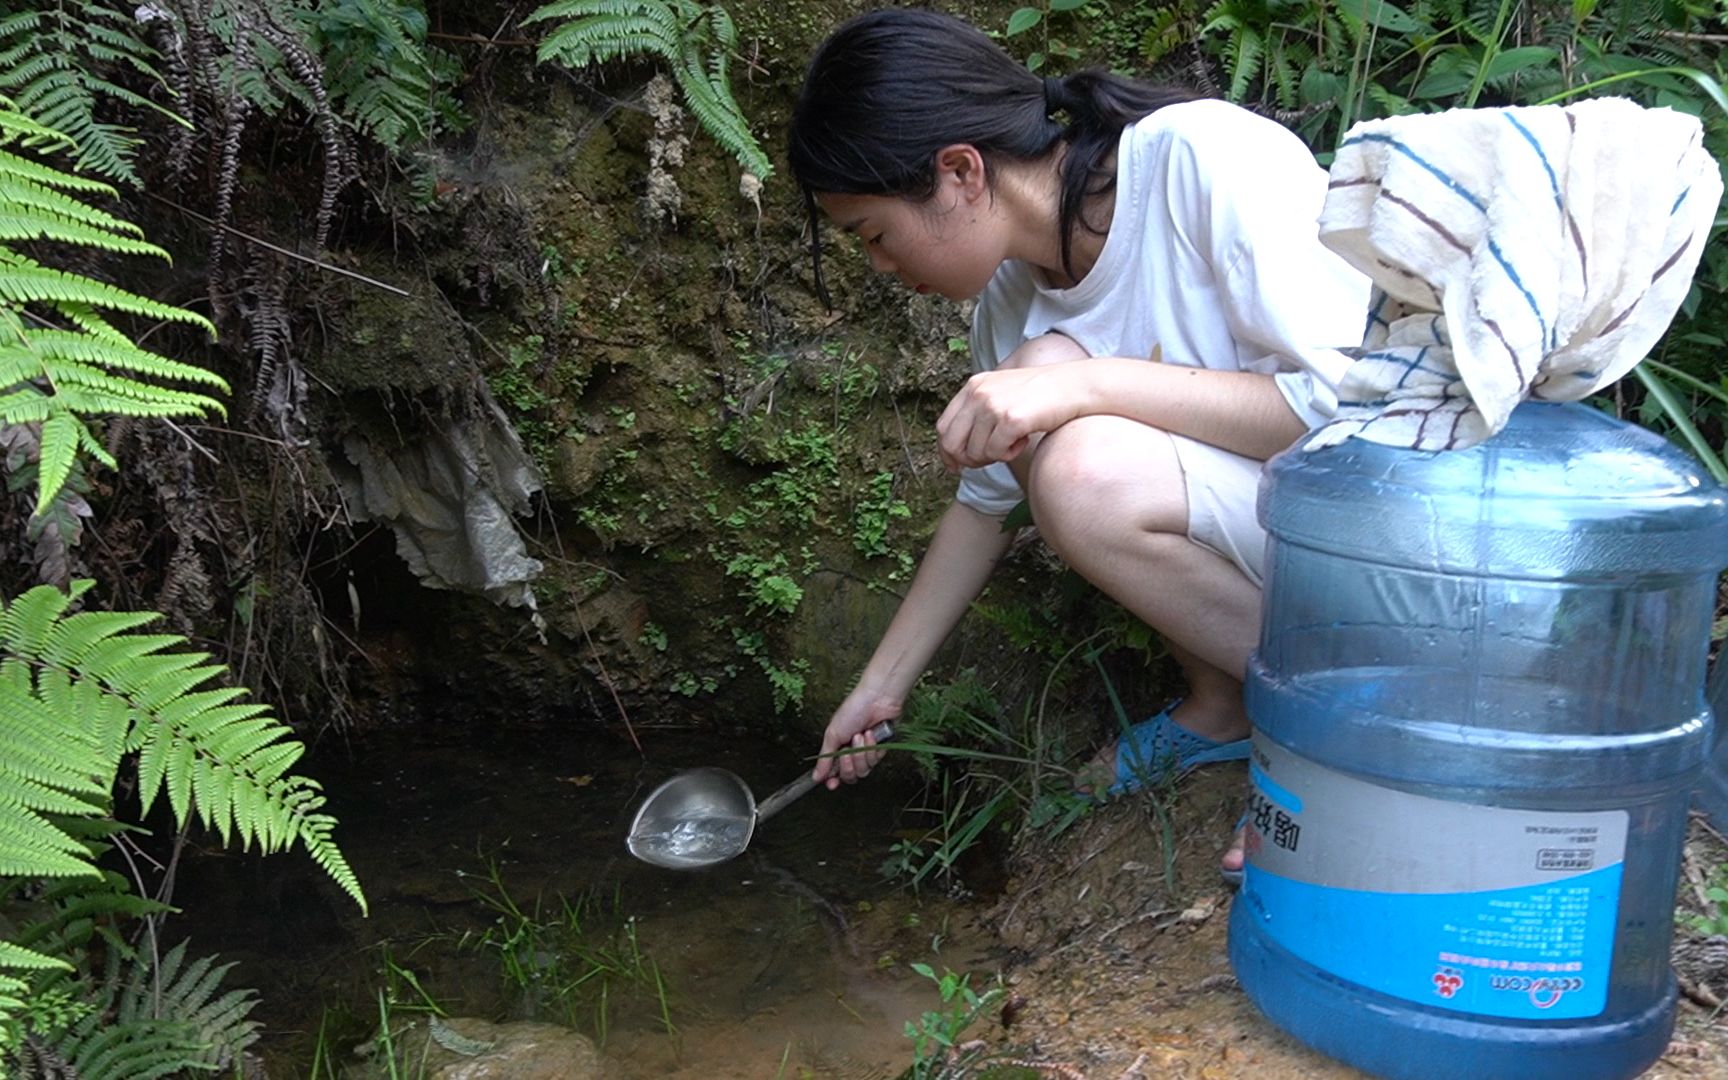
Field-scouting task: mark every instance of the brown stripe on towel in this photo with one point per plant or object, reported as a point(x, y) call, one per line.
point(1425, 219)
point(1670, 261)
point(1614, 323)
point(1355, 181)
point(1578, 242)
point(1409, 275)
point(1511, 353)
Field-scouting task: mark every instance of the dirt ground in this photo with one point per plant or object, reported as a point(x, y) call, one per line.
point(1117, 975)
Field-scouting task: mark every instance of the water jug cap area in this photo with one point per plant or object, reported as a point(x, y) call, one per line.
point(1563, 492)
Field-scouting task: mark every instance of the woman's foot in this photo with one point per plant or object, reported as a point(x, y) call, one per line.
point(1235, 858)
point(1188, 733)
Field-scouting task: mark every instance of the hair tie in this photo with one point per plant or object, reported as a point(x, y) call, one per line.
point(1056, 96)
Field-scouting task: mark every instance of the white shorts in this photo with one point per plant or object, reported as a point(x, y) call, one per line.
point(1222, 489)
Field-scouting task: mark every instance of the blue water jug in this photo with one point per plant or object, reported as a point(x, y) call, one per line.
point(1479, 713)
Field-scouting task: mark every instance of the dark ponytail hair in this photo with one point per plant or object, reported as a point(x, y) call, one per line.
point(890, 88)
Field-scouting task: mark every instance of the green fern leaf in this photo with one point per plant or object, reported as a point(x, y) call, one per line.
point(216, 757)
point(608, 36)
point(26, 406)
point(59, 450)
point(710, 98)
point(24, 281)
point(1250, 47)
point(84, 348)
point(19, 222)
point(18, 169)
point(181, 756)
point(12, 956)
point(694, 40)
point(50, 64)
point(27, 622)
point(30, 847)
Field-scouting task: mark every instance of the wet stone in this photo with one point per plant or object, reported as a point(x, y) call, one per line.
point(467, 1048)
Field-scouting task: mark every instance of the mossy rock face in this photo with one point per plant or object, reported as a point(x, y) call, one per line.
point(397, 344)
point(710, 433)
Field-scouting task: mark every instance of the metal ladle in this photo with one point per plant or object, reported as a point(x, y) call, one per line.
point(705, 816)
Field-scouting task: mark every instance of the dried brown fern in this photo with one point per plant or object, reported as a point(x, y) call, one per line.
point(340, 164)
point(221, 79)
point(278, 383)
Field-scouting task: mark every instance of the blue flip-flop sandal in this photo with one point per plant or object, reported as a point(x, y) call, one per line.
point(1158, 749)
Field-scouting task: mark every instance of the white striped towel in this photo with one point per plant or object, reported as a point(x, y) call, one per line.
point(1531, 252)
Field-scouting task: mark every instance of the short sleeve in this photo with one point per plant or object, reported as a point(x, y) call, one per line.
point(1290, 302)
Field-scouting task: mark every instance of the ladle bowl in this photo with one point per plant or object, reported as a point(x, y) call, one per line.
point(702, 817)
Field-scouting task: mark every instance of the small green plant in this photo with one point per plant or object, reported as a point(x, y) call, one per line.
point(572, 958)
point(689, 684)
point(767, 584)
point(998, 775)
point(960, 825)
point(1028, 18)
point(875, 512)
point(786, 682)
point(1713, 919)
point(407, 1023)
point(936, 1034)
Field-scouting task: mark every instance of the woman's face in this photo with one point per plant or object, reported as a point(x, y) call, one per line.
point(946, 244)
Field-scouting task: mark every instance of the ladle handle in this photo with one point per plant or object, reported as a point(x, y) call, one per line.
point(802, 786)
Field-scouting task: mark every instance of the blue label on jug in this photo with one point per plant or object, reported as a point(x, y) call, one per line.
point(1477, 909)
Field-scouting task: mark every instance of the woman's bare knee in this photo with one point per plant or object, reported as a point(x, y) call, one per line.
point(1104, 475)
point(1051, 348)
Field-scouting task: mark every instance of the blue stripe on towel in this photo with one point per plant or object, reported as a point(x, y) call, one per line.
point(1411, 364)
point(1535, 309)
point(1380, 299)
point(1438, 172)
point(1542, 156)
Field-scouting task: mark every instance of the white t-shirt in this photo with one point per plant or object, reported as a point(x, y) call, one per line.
point(1213, 255)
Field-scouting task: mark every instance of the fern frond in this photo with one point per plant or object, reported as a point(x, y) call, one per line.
point(26, 223)
point(26, 622)
point(1249, 49)
point(709, 94)
point(30, 847)
point(147, 1021)
point(214, 756)
point(51, 65)
point(695, 40)
point(13, 165)
point(88, 350)
point(18, 958)
point(25, 281)
point(609, 36)
point(59, 450)
point(15, 126)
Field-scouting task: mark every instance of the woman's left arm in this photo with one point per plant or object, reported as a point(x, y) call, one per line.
point(994, 414)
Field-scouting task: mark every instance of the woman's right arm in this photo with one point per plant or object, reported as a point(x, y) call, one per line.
point(964, 551)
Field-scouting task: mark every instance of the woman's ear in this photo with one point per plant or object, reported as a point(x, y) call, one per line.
point(962, 166)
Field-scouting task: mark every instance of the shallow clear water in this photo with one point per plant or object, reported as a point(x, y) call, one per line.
point(780, 955)
point(696, 839)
